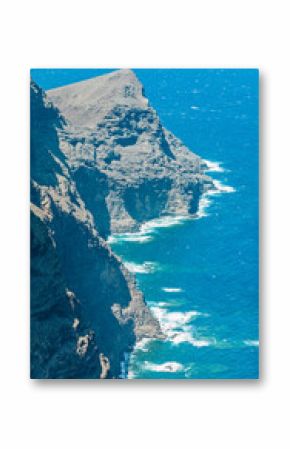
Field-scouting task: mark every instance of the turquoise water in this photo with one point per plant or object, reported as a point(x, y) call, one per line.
point(200, 277)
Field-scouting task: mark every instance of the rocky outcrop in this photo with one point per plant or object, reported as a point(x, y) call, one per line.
point(127, 167)
point(101, 162)
point(61, 346)
point(86, 312)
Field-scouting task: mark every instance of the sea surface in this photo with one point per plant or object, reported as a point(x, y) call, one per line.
point(200, 276)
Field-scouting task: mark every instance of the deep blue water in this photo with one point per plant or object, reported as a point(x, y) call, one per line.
point(211, 263)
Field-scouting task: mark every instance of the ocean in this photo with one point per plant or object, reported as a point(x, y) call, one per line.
point(200, 276)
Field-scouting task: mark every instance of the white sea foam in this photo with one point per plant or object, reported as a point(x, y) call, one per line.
point(186, 337)
point(173, 320)
point(214, 166)
point(145, 268)
point(222, 188)
point(167, 367)
point(219, 188)
point(148, 229)
point(195, 108)
point(204, 203)
point(162, 304)
point(178, 327)
point(142, 345)
point(251, 342)
point(164, 222)
point(129, 237)
point(172, 290)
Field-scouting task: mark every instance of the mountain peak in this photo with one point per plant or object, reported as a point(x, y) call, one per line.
point(85, 103)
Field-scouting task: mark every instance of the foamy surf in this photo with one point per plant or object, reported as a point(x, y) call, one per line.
point(172, 290)
point(219, 188)
point(148, 229)
point(222, 188)
point(164, 222)
point(214, 166)
point(173, 320)
point(178, 326)
point(167, 367)
point(129, 237)
point(251, 342)
point(186, 337)
point(144, 268)
point(204, 204)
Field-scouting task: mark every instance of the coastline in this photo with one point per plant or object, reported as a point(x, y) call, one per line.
point(170, 322)
point(146, 229)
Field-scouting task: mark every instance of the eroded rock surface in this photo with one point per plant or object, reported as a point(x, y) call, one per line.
point(101, 162)
point(127, 166)
point(76, 280)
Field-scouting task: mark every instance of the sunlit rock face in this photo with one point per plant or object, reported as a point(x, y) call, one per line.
point(101, 163)
point(128, 168)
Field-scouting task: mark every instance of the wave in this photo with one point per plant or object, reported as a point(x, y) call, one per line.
point(222, 188)
point(177, 326)
point(144, 268)
point(195, 108)
point(142, 345)
point(172, 290)
point(147, 229)
point(205, 201)
point(186, 337)
point(167, 367)
point(173, 320)
point(163, 222)
point(204, 204)
point(213, 166)
point(160, 304)
point(129, 237)
point(251, 342)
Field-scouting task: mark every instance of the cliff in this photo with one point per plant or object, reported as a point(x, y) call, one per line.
point(86, 312)
point(101, 162)
point(127, 166)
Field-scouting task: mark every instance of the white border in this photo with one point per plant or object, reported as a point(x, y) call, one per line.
point(125, 33)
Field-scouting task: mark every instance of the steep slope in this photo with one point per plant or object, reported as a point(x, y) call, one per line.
point(61, 347)
point(127, 167)
point(86, 312)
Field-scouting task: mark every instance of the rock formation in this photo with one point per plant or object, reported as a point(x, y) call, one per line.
point(127, 167)
point(101, 162)
point(86, 312)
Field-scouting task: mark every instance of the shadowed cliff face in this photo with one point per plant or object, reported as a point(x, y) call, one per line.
point(115, 145)
point(61, 346)
point(101, 162)
point(85, 309)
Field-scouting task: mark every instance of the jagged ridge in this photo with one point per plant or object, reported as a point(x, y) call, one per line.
point(101, 162)
point(86, 312)
point(128, 167)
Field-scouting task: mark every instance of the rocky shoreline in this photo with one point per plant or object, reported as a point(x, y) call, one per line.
point(101, 163)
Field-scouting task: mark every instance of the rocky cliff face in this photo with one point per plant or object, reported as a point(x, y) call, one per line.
point(101, 162)
point(86, 312)
point(127, 167)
